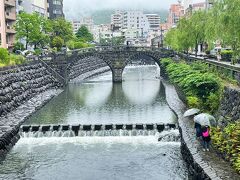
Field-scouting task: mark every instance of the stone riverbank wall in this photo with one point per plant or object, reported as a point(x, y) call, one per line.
point(230, 106)
point(201, 165)
point(30, 84)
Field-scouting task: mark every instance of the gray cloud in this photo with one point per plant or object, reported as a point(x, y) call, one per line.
point(76, 8)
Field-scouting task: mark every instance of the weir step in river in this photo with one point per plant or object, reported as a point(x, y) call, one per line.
point(38, 131)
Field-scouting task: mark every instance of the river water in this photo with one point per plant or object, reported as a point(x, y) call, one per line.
point(139, 99)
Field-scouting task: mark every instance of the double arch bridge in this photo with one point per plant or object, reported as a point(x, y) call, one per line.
point(116, 57)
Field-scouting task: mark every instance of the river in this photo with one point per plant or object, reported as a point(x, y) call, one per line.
point(139, 99)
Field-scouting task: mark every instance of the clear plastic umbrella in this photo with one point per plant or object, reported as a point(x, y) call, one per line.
point(205, 119)
point(191, 112)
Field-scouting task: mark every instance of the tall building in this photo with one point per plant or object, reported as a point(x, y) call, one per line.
point(176, 11)
point(7, 20)
point(154, 21)
point(55, 9)
point(117, 19)
point(136, 20)
point(31, 6)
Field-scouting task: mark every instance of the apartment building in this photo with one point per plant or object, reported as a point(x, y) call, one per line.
point(55, 9)
point(31, 6)
point(154, 21)
point(85, 21)
point(176, 11)
point(117, 19)
point(7, 20)
point(136, 20)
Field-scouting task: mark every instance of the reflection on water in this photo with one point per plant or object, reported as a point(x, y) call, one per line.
point(139, 99)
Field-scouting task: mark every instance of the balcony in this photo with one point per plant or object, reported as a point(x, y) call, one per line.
point(11, 3)
point(10, 16)
point(10, 30)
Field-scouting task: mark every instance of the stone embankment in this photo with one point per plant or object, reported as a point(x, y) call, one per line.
point(201, 165)
point(22, 83)
point(23, 89)
point(230, 106)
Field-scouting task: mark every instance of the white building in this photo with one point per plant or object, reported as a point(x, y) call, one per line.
point(85, 21)
point(136, 20)
point(117, 19)
point(154, 21)
point(31, 6)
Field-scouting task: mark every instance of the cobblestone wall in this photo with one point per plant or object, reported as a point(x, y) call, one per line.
point(230, 106)
point(19, 84)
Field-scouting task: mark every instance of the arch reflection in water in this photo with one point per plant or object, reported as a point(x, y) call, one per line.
point(144, 88)
point(140, 99)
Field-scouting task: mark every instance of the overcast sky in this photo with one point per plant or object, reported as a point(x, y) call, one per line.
point(73, 7)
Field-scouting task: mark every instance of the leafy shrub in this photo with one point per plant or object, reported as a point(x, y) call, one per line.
point(226, 55)
point(17, 59)
point(213, 102)
point(20, 59)
point(166, 61)
point(57, 42)
point(79, 45)
point(37, 52)
point(194, 102)
point(70, 44)
point(227, 141)
point(4, 56)
point(195, 82)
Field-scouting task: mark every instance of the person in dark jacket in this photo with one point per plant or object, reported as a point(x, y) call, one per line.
point(198, 128)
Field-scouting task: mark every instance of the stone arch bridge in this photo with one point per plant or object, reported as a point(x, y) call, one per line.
point(116, 57)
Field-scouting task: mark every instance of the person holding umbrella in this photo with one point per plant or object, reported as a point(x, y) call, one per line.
point(191, 113)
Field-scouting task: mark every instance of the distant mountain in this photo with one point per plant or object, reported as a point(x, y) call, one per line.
point(104, 16)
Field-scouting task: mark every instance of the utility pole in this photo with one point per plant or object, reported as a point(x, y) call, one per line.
point(161, 37)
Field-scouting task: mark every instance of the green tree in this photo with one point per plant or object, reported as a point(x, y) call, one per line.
point(62, 28)
point(33, 28)
point(228, 25)
point(84, 35)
